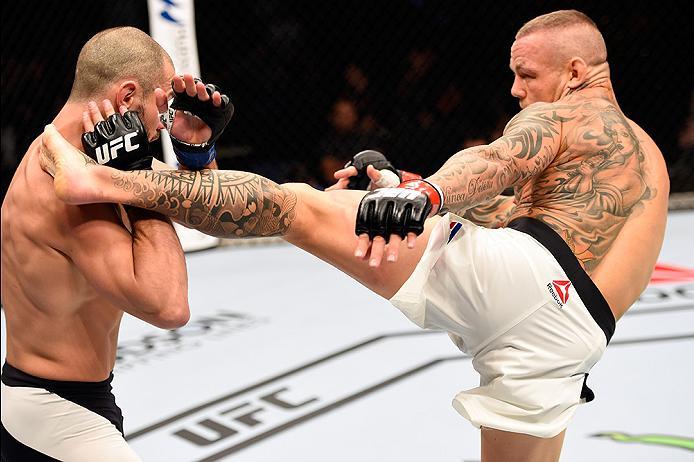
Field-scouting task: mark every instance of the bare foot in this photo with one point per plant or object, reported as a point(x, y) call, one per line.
point(73, 179)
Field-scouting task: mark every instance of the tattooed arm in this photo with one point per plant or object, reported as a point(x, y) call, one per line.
point(220, 203)
point(475, 175)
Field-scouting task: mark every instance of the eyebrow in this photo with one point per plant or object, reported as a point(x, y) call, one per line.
point(518, 68)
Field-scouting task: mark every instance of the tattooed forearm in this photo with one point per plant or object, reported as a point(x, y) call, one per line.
point(220, 203)
point(473, 176)
point(476, 175)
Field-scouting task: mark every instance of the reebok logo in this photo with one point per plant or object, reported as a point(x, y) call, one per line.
point(559, 289)
point(109, 150)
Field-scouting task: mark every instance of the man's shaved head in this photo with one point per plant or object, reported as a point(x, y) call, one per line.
point(572, 35)
point(116, 54)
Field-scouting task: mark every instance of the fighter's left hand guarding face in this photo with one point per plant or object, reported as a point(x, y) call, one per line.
point(120, 141)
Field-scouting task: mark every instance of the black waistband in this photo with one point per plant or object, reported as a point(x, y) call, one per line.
point(590, 294)
point(13, 377)
point(95, 396)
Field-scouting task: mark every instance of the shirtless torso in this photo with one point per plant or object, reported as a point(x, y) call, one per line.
point(70, 272)
point(64, 273)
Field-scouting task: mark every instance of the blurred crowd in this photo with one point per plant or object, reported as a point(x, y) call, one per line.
point(418, 126)
point(421, 128)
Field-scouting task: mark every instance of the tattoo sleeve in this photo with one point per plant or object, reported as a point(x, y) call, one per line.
point(220, 203)
point(478, 174)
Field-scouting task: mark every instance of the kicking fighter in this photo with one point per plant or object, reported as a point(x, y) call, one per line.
point(69, 272)
point(534, 301)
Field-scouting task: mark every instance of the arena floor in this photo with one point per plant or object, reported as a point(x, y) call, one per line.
point(287, 359)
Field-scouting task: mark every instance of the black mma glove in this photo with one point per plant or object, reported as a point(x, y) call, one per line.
point(362, 160)
point(120, 142)
point(196, 156)
point(400, 210)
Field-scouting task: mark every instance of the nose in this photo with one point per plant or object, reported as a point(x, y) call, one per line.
point(517, 90)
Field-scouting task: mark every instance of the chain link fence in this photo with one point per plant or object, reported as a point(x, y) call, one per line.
point(315, 82)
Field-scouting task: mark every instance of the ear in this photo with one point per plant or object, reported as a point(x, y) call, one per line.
point(127, 93)
point(578, 70)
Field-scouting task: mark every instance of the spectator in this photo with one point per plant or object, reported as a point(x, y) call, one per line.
point(349, 133)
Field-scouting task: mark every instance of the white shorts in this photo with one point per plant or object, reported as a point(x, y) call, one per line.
point(48, 420)
point(517, 300)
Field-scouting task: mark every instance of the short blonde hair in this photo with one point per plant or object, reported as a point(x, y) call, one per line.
point(116, 54)
point(581, 36)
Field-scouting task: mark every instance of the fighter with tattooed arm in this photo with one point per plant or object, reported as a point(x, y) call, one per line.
point(534, 301)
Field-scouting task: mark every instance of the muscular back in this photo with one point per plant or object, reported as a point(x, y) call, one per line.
point(57, 326)
point(604, 192)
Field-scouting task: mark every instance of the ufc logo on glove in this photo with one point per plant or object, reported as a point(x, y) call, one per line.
point(120, 142)
point(109, 151)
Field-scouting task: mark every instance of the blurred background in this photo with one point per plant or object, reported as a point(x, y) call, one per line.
point(314, 82)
